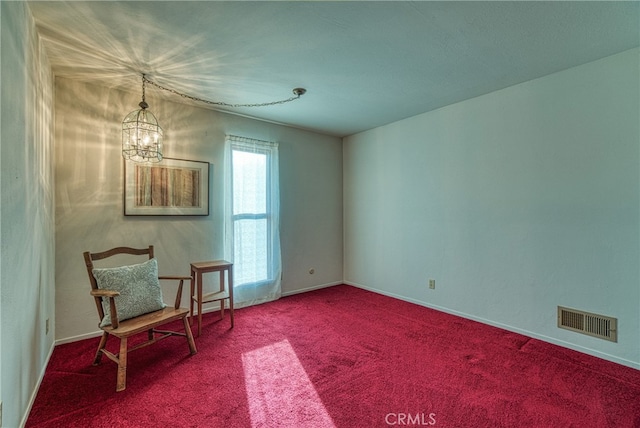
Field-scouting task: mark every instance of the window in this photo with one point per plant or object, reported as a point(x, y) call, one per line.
point(254, 242)
point(250, 216)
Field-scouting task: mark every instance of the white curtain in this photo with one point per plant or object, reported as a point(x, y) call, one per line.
point(252, 220)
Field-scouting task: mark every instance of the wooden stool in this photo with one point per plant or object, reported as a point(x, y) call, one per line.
point(197, 269)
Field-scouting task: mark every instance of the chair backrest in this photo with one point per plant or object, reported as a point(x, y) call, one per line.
point(89, 258)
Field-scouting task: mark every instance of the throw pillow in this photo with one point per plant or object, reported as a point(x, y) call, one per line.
point(139, 288)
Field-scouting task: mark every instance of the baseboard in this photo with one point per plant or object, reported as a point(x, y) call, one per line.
point(211, 307)
point(315, 287)
point(36, 388)
point(543, 338)
point(531, 334)
point(79, 337)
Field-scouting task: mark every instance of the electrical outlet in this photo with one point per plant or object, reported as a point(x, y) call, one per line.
point(432, 284)
point(46, 326)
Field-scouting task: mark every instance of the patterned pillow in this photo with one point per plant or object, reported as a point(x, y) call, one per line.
point(139, 288)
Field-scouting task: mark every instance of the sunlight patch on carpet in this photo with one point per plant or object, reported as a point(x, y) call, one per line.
point(279, 391)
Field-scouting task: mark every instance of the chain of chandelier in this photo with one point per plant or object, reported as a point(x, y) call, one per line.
point(142, 137)
point(297, 92)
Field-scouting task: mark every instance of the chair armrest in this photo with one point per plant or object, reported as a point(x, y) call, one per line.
point(112, 304)
point(104, 293)
point(179, 291)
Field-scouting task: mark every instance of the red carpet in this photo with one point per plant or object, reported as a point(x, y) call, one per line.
point(340, 357)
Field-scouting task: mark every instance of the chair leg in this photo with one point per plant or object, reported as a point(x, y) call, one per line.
point(122, 366)
point(103, 343)
point(187, 330)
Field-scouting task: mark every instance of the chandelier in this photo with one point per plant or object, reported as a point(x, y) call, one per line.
point(141, 134)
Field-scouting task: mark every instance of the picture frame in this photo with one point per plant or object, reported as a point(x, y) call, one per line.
point(172, 187)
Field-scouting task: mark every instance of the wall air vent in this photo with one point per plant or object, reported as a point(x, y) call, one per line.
point(588, 323)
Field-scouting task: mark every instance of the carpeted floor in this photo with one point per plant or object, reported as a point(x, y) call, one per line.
point(340, 357)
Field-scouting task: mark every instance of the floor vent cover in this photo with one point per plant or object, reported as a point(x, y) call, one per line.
point(588, 323)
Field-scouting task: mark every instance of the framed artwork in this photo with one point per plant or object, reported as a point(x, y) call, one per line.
point(171, 187)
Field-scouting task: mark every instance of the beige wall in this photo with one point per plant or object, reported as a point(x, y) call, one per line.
point(26, 212)
point(89, 213)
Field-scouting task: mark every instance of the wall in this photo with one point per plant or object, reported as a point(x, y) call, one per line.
point(26, 212)
point(515, 202)
point(89, 212)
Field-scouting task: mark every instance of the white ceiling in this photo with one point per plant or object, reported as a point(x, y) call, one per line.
point(364, 64)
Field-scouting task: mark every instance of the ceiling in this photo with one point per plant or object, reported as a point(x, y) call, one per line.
point(364, 64)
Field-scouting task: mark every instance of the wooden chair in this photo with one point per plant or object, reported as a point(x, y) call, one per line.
point(123, 329)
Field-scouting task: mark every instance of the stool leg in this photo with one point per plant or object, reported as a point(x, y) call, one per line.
point(222, 289)
point(199, 286)
point(193, 280)
point(230, 274)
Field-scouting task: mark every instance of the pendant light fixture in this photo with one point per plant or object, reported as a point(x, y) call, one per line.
point(141, 135)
